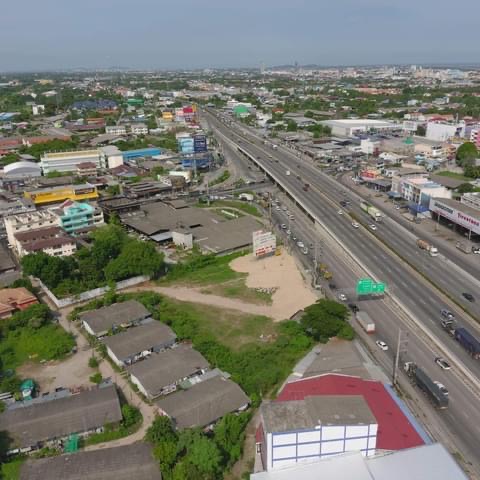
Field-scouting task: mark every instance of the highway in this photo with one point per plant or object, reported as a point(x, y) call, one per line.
point(419, 299)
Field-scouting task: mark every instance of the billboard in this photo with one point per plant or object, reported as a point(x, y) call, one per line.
point(186, 145)
point(465, 220)
point(264, 243)
point(200, 143)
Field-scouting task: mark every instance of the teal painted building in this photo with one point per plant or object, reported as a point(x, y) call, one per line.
point(75, 216)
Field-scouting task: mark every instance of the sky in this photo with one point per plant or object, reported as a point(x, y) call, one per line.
point(167, 34)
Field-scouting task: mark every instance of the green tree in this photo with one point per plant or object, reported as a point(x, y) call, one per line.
point(166, 452)
point(161, 430)
point(131, 415)
point(93, 362)
point(324, 319)
point(205, 455)
point(466, 154)
point(96, 378)
point(108, 242)
point(229, 434)
point(136, 258)
point(465, 188)
point(185, 470)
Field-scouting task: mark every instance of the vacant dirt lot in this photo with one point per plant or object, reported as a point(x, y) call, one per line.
point(72, 372)
point(279, 272)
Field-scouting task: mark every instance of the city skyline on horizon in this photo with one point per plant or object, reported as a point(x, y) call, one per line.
point(93, 35)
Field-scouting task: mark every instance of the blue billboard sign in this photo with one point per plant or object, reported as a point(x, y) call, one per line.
point(200, 143)
point(186, 145)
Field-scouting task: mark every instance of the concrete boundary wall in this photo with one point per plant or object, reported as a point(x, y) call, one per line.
point(90, 294)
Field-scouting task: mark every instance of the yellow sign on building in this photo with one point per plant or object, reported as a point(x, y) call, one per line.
point(60, 194)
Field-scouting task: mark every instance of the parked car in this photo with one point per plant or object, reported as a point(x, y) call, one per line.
point(382, 345)
point(342, 297)
point(355, 225)
point(442, 363)
point(332, 286)
point(300, 244)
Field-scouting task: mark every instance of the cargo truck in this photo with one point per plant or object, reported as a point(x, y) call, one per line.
point(468, 342)
point(365, 321)
point(424, 245)
point(372, 211)
point(430, 388)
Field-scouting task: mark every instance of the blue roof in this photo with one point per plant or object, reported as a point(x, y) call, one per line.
point(142, 152)
point(6, 116)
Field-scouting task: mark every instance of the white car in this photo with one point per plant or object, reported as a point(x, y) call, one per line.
point(382, 345)
point(397, 207)
point(340, 212)
point(301, 244)
point(372, 227)
point(442, 363)
point(277, 208)
point(289, 232)
point(441, 387)
point(305, 251)
point(342, 297)
point(283, 226)
point(355, 225)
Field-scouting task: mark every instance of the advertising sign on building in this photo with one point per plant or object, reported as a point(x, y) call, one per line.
point(186, 145)
point(264, 243)
point(465, 220)
point(200, 143)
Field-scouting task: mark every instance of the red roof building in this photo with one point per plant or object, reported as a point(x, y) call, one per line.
point(395, 432)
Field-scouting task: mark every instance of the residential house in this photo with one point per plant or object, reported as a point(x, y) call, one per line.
point(119, 315)
point(136, 343)
point(12, 299)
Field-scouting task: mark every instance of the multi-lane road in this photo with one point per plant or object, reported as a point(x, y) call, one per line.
point(413, 305)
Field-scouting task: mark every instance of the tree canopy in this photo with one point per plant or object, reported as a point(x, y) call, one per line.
point(325, 319)
point(466, 154)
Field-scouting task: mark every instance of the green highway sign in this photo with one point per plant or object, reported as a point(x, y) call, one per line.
point(366, 286)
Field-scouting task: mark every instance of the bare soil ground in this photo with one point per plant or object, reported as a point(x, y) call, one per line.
point(281, 273)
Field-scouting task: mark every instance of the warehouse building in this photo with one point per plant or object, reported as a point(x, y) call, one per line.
point(352, 128)
point(314, 428)
point(428, 462)
point(38, 422)
point(136, 343)
point(161, 373)
point(119, 315)
point(22, 169)
point(69, 161)
point(204, 403)
point(128, 462)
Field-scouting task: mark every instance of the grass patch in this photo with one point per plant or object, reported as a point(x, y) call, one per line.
point(198, 269)
point(49, 342)
point(229, 327)
point(221, 178)
point(11, 470)
point(457, 176)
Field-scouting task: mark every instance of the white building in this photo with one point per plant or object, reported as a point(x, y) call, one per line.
point(61, 246)
point(138, 129)
point(368, 146)
point(420, 190)
point(350, 128)
point(24, 222)
point(22, 169)
point(317, 427)
point(116, 129)
point(471, 199)
point(68, 161)
point(442, 132)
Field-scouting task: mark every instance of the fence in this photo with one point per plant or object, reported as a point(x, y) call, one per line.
point(90, 294)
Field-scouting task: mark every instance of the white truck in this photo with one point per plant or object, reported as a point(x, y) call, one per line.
point(365, 321)
point(424, 245)
point(374, 212)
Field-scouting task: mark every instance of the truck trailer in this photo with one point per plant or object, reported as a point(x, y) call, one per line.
point(374, 212)
point(468, 342)
point(365, 321)
point(423, 381)
point(424, 245)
